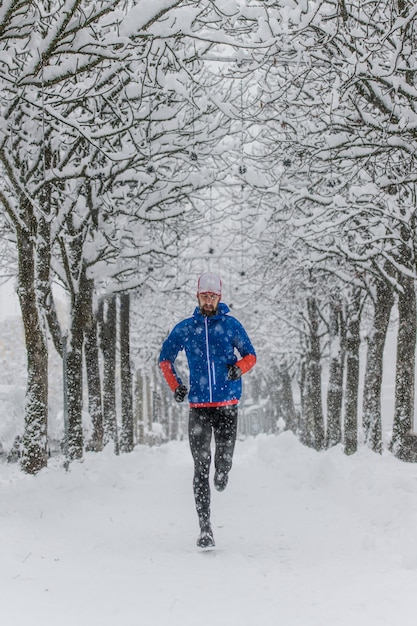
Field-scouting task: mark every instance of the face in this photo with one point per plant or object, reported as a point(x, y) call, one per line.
point(208, 303)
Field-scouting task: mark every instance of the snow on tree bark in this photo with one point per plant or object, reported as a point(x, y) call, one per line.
point(126, 438)
point(352, 343)
point(34, 453)
point(405, 367)
point(281, 397)
point(371, 408)
point(92, 366)
point(108, 320)
point(139, 406)
point(79, 317)
point(313, 410)
point(336, 372)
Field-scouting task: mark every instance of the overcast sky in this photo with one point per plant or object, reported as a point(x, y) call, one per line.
point(9, 305)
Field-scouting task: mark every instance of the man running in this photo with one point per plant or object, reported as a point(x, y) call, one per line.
point(210, 338)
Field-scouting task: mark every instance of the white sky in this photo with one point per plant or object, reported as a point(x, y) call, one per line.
point(9, 305)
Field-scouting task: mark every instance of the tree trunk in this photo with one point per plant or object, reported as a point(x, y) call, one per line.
point(404, 375)
point(286, 399)
point(34, 451)
point(80, 308)
point(93, 379)
point(162, 407)
point(167, 417)
point(303, 431)
point(127, 442)
point(336, 371)
point(281, 401)
point(371, 408)
point(108, 347)
point(149, 407)
point(312, 392)
point(352, 374)
point(74, 393)
point(139, 406)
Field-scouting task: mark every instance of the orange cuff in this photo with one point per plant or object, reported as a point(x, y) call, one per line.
point(168, 372)
point(246, 363)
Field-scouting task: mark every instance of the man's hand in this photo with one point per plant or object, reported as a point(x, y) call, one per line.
point(234, 372)
point(180, 393)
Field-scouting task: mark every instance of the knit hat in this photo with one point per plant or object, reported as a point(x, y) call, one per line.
point(209, 283)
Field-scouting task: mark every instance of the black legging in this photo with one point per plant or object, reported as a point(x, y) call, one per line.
point(202, 421)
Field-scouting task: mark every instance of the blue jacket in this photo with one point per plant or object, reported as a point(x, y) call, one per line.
point(209, 343)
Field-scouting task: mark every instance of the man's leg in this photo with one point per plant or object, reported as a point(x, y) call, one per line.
point(199, 434)
point(225, 431)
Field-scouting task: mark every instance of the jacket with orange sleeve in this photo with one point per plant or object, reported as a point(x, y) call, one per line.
point(212, 344)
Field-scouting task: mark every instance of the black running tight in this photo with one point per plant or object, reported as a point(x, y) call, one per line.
point(222, 421)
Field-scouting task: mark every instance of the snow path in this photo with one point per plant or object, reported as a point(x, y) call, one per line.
point(303, 539)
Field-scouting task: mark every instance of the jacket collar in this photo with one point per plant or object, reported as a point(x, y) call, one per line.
point(222, 309)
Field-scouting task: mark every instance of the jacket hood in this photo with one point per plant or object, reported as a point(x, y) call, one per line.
point(222, 309)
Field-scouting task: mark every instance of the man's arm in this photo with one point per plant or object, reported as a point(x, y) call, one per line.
point(247, 352)
point(174, 383)
point(170, 348)
point(169, 374)
point(246, 363)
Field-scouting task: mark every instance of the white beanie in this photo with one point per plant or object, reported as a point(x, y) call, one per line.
point(210, 283)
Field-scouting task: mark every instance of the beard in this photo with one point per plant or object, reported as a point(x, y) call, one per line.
point(208, 309)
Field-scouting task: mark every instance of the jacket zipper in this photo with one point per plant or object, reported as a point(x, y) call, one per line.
point(208, 361)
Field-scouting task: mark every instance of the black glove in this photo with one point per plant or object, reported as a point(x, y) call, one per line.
point(180, 393)
point(234, 372)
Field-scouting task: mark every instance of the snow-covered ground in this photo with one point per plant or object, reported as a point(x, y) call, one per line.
point(303, 539)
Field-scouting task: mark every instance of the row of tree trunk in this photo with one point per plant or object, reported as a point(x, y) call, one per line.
point(340, 425)
point(91, 340)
